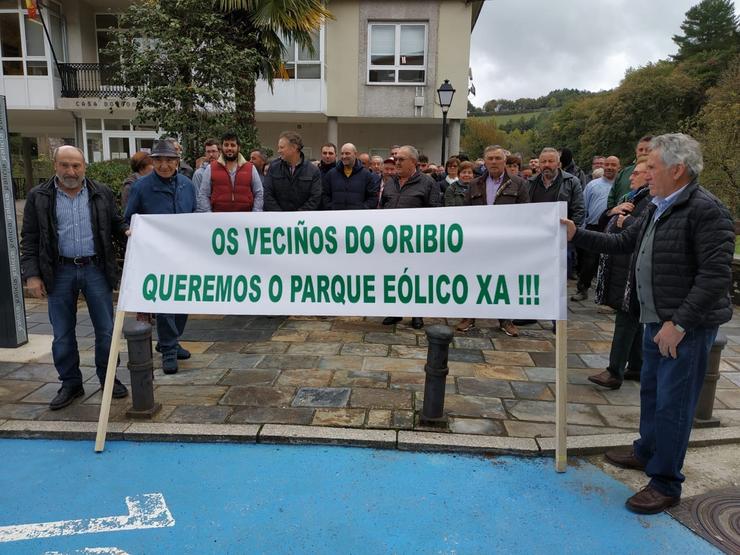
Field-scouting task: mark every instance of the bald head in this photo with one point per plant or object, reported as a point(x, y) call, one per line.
point(611, 167)
point(69, 167)
point(348, 154)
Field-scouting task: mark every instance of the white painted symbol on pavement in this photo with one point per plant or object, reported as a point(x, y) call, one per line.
point(92, 551)
point(148, 510)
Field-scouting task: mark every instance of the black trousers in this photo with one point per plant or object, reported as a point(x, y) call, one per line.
point(588, 264)
point(626, 345)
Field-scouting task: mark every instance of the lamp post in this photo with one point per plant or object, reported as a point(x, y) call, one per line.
point(445, 92)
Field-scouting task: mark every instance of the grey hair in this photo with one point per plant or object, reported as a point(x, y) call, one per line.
point(489, 148)
point(78, 149)
point(376, 157)
point(412, 152)
point(549, 149)
point(678, 148)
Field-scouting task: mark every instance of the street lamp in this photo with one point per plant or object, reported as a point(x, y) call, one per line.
point(445, 92)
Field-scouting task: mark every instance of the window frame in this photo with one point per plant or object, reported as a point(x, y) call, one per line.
point(397, 66)
point(297, 62)
point(21, 14)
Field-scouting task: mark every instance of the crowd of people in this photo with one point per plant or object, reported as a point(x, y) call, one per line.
point(658, 245)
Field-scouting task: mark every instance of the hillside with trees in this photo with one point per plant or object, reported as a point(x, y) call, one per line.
point(695, 91)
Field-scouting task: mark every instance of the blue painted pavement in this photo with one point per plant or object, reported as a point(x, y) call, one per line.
point(226, 498)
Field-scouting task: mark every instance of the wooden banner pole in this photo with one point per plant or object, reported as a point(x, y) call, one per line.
point(561, 395)
point(110, 376)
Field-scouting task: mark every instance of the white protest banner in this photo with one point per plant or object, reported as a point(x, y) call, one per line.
point(477, 262)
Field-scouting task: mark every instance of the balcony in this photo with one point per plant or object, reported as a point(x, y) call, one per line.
point(89, 81)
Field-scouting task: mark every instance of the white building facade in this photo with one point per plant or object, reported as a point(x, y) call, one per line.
point(372, 81)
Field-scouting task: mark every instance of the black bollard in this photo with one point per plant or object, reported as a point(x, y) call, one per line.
point(439, 338)
point(704, 407)
point(140, 365)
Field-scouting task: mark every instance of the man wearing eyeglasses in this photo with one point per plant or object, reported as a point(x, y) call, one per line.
point(165, 191)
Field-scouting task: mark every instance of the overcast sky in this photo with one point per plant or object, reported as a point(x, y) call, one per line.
point(526, 48)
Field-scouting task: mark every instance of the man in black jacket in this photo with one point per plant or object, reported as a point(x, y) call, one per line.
point(69, 224)
point(349, 185)
point(409, 188)
point(683, 248)
point(291, 183)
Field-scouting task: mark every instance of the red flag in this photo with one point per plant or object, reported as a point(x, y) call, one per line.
point(33, 10)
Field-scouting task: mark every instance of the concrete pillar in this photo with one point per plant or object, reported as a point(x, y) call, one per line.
point(332, 130)
point(453, 131)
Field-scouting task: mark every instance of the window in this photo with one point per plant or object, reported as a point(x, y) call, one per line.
point(106, 25)
point(22, 40)
point(300, 63)
point(397, 53)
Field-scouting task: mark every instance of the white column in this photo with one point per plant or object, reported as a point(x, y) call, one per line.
point(332, 130)
point(453, 138)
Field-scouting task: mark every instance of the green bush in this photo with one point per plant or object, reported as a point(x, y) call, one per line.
point(110, 172)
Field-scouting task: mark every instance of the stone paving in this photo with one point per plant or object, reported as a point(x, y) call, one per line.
point(357, 373)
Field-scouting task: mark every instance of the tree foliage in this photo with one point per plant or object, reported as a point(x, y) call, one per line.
point(192, 65)
point(711, 25)
point(477, 134)
point(184, 62)
point(717, 130)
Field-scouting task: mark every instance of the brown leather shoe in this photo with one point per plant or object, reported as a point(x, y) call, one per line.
point(508, 327)
point(625, 458)
point(649, 501)
point(605, 379)
point(465, 325)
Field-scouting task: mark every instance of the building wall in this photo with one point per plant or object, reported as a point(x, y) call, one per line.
point(453, 55)
point(342, 58)
point(397, 101)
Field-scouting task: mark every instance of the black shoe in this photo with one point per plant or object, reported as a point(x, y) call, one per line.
point(119, 390)
point(632, 375)
point(169, 365)
point(391, 320)
point(182, 353)
point(417, 323)
point(580, 296)
point(65, 396)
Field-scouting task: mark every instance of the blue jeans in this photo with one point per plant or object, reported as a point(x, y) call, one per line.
point(669, 391)
point(169, 329)
point(69, 280)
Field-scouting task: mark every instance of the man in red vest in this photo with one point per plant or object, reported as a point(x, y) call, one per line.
point(231, 183)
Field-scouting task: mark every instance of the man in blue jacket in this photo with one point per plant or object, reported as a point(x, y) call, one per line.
point(349, 185)
point(165, 191)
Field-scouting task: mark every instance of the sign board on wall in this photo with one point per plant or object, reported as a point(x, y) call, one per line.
point(12, 314)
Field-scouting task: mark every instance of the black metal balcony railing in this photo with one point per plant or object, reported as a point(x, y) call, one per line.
point(89, 81)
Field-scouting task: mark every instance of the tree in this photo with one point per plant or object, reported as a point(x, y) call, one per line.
point(269, 23)
point(478, 133)
point(192, 67)
point(474, 110)
point(184, 62)
point(710, 25)
point(718, 133)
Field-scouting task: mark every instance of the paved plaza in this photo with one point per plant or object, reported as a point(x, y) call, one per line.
point(357, 373)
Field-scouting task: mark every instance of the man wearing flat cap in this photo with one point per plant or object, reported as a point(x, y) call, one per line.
point(165, 191)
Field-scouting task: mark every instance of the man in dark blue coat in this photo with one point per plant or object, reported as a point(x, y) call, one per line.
point(165, 191)
point(349, 185)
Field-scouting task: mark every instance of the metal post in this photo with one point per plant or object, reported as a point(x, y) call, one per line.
point(439, 339)
point(704, 407)
point(139, 338)
point(444, 135)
